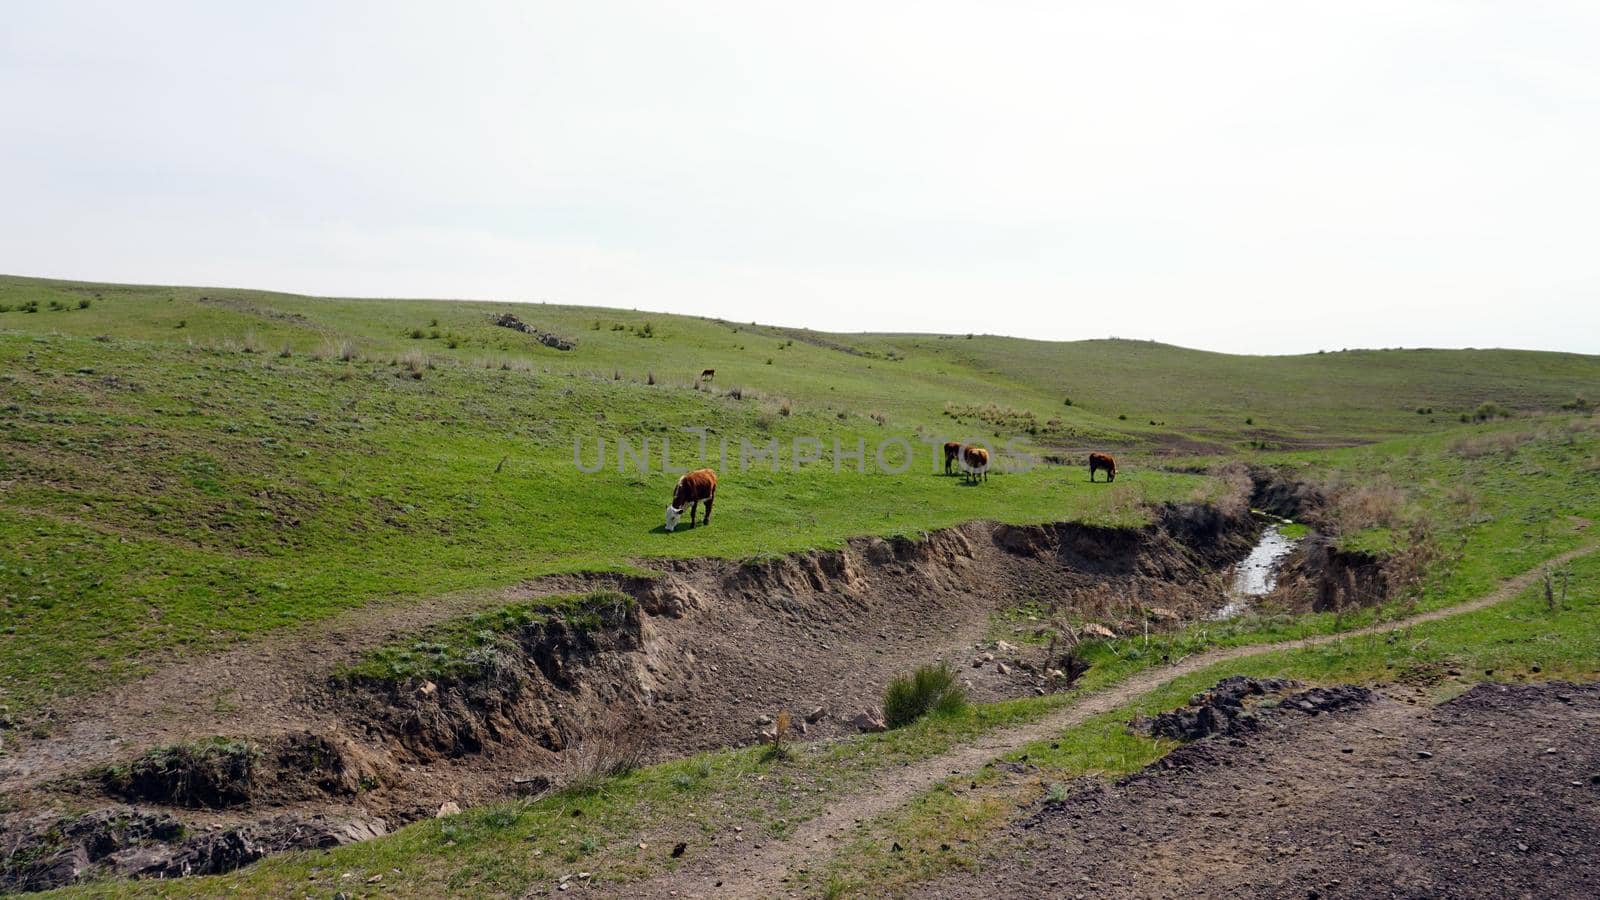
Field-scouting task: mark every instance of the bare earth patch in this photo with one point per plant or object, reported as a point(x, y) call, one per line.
point(1493, 794)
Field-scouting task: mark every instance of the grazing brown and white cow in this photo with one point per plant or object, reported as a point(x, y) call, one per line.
point(701, 484)
point(975, 463)
point(1099, 461)
point(952, 452)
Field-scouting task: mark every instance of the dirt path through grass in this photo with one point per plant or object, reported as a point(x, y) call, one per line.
point(763, 870)
point(260, 688)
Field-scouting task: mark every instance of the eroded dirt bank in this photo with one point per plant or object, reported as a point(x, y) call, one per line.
point(1493, 794)
point(695, 658)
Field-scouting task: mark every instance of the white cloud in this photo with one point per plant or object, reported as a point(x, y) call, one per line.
point(1257, 177)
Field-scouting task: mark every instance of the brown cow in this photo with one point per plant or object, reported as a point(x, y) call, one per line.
point(708, 374)
point(1098, 461)
point(952, 451)
point(975, 463)
point(692, 488)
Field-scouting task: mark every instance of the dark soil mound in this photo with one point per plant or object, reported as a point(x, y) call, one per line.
point(1220, 710)
point(214, 773)
point(1494, 794)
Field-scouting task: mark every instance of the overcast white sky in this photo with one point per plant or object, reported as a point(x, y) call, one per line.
point(1253, 177)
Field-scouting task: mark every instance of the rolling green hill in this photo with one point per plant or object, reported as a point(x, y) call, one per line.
point(184, 467)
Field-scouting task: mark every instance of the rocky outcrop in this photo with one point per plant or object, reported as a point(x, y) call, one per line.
point(137, 844)
point(507, 320)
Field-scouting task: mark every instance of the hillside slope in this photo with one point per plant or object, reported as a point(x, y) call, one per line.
point(184, 467)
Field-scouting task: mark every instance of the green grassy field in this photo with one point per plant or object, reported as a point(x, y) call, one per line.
point(184, 467)
point(506, 849)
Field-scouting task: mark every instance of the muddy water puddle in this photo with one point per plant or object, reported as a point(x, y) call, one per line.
point(1257, 575)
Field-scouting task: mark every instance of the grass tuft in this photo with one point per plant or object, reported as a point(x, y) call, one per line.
point(930, 689)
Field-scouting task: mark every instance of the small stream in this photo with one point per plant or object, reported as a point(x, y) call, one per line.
point(1257, 575)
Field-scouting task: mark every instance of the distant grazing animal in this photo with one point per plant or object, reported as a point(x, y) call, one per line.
point(975, 463)
point(952, 451)
point(692, 488)
point(1098, 461)
point(708, 374)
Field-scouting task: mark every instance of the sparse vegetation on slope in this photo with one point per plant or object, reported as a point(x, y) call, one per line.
point(186, 468)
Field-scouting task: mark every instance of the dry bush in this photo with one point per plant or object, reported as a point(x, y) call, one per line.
point(1466, 498)
point(1504, 443)
point(1375, 503)
point(1237, 486)
point(611, 743)
point(413, 363)
point(1122, 499)
point(785, 408)
point(341, 350)
point(1404, 571)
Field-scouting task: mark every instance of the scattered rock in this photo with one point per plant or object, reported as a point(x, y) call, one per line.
point(1321, 700)
point(869, 720)
point(531, 784)
point(1002, 668)
point(448, 808)
point(135, 844)
point(507, 320)
point(1424, 754)
point(678, 848)
point(815, 715)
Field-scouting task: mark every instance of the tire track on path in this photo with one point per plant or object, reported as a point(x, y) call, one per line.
point(746, 871)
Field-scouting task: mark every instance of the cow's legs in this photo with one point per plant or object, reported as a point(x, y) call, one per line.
point(707, 519)
point(694, 507)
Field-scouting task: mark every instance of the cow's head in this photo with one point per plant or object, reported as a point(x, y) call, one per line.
point(673, 514)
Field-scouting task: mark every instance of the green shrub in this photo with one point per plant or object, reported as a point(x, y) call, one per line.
point(930, 689)
point(1490, 410)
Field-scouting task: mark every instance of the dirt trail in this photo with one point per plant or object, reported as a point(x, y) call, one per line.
point(260, 688)
point(1488, 795)
point(750, 872)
